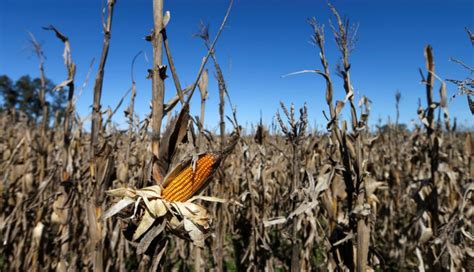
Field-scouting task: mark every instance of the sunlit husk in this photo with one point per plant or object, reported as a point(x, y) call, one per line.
point(184, 219)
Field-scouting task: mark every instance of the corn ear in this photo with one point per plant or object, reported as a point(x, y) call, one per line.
point(188, 181)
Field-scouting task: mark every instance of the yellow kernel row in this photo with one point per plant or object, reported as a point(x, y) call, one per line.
point(188, 182)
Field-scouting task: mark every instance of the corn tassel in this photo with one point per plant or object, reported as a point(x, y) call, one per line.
point(188, 182)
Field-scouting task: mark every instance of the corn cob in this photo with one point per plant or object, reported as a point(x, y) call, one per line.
point(188, 182)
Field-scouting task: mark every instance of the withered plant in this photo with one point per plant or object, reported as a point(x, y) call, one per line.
point(167, 194)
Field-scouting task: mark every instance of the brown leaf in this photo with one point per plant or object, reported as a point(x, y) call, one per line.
point(150, 236)
point(173, 135)
point(145, 223)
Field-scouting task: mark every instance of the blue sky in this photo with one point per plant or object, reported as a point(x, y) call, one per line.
point(262, 41)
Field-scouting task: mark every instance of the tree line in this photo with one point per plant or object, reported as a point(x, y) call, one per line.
point(23, 95)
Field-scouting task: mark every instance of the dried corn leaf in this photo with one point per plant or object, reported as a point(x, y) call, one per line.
point(150, 236)
point(274, 221)
point(117, 207)
point(145, 223)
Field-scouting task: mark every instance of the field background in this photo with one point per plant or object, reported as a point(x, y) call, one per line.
point(356, 193)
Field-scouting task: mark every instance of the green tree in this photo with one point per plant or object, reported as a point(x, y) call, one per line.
point(400, 128)
point(29, 96)
point(24, 95)
point(8, 92)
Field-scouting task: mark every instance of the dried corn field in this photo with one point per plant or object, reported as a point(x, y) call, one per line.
point(165, 194)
